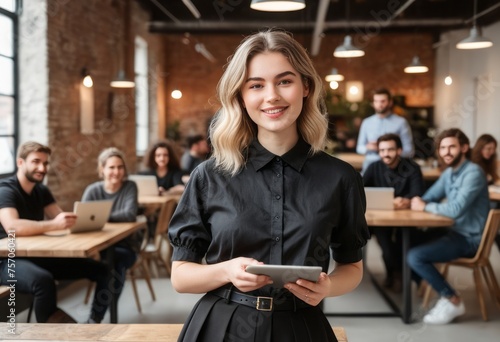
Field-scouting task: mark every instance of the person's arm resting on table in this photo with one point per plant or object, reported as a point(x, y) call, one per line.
point(58, 219)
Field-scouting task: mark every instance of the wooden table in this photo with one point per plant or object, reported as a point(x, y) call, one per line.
point(82, 245)
point(430, 173)
point(406, 220)
point(494, 191)
point(356, 160)
point(157, 201)
point(105, 332)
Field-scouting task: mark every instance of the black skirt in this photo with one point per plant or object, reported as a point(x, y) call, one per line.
point(213, 319)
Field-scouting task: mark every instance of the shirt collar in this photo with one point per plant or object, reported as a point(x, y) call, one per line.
point(459, 170)
point(385, 117)
point(296, 157)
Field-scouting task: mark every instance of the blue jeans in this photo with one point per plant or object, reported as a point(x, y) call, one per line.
point(421, 259)
point(36, 276)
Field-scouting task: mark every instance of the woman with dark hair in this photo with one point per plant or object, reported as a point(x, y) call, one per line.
point(484, 154)
point(161, 161)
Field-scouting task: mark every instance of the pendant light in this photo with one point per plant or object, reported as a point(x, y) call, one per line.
point(448, 80)
point(475, 40)
point(334, 76)
point(121, 80)
point(277, 5)
point(416, 67)
point(347, 49)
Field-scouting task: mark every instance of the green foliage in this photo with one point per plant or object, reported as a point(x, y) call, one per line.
point(172, 131)
point(337, 105)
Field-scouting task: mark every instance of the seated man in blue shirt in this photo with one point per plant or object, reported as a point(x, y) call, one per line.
point(464, 186)
point(404, 175)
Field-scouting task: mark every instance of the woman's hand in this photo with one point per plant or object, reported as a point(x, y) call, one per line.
point(190, 277)
point(244, 281)
point(310, 292)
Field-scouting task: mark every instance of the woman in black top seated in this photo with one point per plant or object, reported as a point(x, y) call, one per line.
point(162, 162)
point(268, 194)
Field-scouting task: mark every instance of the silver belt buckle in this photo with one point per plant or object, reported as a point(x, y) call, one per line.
point(264, 304)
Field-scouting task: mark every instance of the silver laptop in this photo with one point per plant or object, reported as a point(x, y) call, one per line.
point(91, 215)
point(379, 198)
point(146, 185)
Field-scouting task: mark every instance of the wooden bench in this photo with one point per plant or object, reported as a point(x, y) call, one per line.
point(104, 332)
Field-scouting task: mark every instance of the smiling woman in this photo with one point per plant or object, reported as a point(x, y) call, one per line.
point(123, 193)
point(272, 95)
point(240, 207)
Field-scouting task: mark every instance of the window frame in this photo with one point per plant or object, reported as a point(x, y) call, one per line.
point(14, 16)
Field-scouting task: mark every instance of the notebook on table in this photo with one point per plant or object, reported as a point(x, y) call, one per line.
point(91, 216)
point(146, 184)
point(379, 198)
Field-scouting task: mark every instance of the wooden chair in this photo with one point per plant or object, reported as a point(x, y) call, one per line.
point(153, 252)
point(480, 264)
point(141, 264)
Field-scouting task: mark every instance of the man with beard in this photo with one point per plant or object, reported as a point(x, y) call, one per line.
point(382, 122)
point(464, 186)
point(405, 177)
point(24, 202)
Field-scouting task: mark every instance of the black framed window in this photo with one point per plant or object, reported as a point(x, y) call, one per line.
point(8, 86)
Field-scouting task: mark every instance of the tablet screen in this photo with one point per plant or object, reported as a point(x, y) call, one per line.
point(282, 274)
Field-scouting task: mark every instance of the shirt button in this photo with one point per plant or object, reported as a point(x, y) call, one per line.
point(278, 159)
point(276, 217)
point(278, 197)
point(278, 175)
point(277, 238)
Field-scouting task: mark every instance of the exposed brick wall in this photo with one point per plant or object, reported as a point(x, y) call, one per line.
point(386, 56)
point(88, 34)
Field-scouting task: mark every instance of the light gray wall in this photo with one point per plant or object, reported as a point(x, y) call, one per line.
point(33, 74)
point(472, 102)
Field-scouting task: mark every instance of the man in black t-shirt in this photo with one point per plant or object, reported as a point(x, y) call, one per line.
point(405, 176)
point(24, 203)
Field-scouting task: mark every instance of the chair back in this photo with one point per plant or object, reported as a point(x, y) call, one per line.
point(166, 213)
point(489, 234)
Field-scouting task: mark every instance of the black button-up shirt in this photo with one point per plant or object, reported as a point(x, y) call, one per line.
point(406, 178)
point(286, 210)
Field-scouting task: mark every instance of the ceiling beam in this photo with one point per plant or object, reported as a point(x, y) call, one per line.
point(368, 26)
point(318, 27)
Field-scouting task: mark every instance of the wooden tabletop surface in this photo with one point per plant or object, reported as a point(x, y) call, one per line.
point(158, 200)
point(81, 245)
point(104, 332)
point(494, 191)
point(405, 218)
point(356, 160)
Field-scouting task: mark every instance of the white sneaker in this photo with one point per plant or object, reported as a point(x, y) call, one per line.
point(444, 312)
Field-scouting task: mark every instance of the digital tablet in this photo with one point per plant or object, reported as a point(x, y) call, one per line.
point(282, 274)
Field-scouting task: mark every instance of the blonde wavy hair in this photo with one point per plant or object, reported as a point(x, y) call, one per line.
point(232, 130)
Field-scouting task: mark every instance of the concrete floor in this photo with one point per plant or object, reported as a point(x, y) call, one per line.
point(171, 307)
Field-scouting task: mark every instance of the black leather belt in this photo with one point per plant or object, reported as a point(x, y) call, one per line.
point(261, 303)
